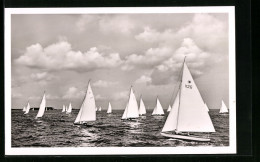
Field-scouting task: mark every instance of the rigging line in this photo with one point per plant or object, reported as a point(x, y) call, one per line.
point(83, 101)
point(174, 94)
point(180, 95)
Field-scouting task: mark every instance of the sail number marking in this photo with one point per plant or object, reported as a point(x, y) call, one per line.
point(188, 86)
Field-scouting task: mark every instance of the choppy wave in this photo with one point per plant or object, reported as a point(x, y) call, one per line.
point(56, 129)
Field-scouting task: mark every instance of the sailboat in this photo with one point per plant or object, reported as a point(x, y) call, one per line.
point(188, 114)
point(131, 110)
point(27, 108)
point(206, 107)
point(158, 110)
point(142, 110)
point(96, 109)
point(99, 109)
point(109, 109)
point(87, 110)
point(63, 109)
point(169, 108)
point(223, 109)
point(24, 108)
point(69, 109)
point(42, 107)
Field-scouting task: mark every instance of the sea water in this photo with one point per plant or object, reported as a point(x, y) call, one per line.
point(56, 129)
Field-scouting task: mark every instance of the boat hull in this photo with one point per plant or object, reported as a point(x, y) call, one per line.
point(183, 137)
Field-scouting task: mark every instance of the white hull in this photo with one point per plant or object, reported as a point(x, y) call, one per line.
point(190, 138)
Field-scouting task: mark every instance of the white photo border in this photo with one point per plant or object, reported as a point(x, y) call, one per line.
point(231, 149)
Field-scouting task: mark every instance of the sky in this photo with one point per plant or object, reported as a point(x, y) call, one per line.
point(60, 53)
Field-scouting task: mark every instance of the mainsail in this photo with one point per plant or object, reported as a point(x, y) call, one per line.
point(27, 108)
point(169, 108)
point(87, 110)
point(158, 110)
point(131, 110)
point(99, 109)
point(223, 108)
point(69, 109)
point(24, 108)
point(188, 112)
point(109, 109)
point(206, 107)
point(42, 107)
point(142, 110)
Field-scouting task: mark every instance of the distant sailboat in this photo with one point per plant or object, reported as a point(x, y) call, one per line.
point(42, 107)
point(188, 113)
point(99, 109)
point(142, 110)
point(109, 109)
point(27, 108)
point(158, 110)
point(131, 110)
point(169, 108)
point(24, 108)
point(69, 109)
point(63, 109)
point(223, 108)
point(87, 110)
point(96, 109)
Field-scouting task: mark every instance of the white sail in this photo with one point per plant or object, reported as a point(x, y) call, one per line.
point(99, 109)
point(27, 108)
point(87, 111)
point(142, 110)
point(132, 107)
point(124, 114)
point(24, 108)
point(69, 109)
point(96, 109)
point(171, 121)
point(158, 110)
point(206, 107)
point(223, 108)
point(63, 109)
point(42, 107)
point(78, 116)
point(109, 109)
point(169, 108)
point(192, 116)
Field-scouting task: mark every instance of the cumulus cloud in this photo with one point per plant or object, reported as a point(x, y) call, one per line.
point(144, 79)
point(61, 56)
point(151, 35)
point(16, 95)
point(121, 95)
point(84, 21)
point(103, 83)
point(116, 24)
point(73, 92)
point(151, 57)
point(169, 69)
point(52, 97)
point(99, 97)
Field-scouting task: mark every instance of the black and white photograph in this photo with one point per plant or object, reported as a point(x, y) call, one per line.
point(108, 81)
